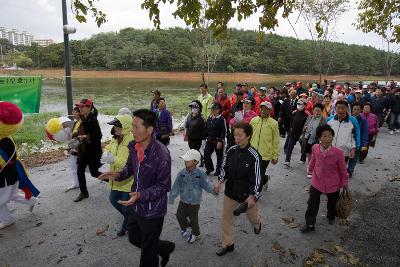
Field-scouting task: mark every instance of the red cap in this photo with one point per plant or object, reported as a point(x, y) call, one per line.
point(85, 102)
point(338, 88)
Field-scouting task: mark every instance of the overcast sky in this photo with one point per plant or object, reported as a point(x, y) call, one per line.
point(43, 18)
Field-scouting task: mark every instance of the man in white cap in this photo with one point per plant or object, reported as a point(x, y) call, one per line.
point(265, 138)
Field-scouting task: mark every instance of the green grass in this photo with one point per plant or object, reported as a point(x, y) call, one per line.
point(32, 131)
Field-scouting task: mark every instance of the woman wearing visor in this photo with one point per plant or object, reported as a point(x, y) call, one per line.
point(116, 154)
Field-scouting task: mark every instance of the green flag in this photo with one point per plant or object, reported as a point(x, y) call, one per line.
point(24, 91)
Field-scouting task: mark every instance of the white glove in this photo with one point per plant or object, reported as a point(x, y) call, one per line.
point(203, 144)
point(104, 168)
point(238, 116)
point(107, 157)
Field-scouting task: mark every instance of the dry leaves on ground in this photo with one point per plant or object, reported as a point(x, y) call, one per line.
point(316, 257)
point(290, 221)
point(40, 159)
point(101, 231)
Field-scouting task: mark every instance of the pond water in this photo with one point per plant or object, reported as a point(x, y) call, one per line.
point(122, 92)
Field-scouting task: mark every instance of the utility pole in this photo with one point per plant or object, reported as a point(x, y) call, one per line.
point(1, 52)
point(68, 81)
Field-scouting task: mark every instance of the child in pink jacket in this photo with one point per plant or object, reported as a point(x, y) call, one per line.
point(329, 174)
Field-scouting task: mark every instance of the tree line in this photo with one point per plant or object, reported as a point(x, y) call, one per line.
point(178, 49)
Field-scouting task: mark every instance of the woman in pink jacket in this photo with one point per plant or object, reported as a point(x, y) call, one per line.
point(373, 128)
point(329, 174)
point(245, 115)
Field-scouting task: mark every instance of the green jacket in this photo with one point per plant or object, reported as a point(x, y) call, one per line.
point(206, 102)
point(265, 137)
point(121, 153)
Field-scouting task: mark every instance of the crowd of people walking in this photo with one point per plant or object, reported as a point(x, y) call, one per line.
point(334, 124)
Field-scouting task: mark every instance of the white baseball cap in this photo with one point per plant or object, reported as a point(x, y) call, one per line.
point(266, 104)
point(191, 154)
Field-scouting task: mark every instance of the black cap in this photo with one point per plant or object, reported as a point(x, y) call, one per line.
point(115, 122)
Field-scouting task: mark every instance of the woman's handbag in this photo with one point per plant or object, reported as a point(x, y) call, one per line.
point(344, 204)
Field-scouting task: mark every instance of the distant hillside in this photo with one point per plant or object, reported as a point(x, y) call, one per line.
point(178, 49)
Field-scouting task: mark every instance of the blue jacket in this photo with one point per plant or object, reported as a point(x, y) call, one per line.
point(363, 131)
point(190, 185)
point(152, 179)
point(164, 123)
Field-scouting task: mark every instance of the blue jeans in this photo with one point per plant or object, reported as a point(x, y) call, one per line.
point(114, 197)
point(353, 162)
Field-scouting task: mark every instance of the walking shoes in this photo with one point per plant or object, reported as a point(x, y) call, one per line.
point(223, 251)
point(81, 197)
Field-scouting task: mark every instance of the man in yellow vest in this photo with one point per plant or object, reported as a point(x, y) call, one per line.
point(206, 100)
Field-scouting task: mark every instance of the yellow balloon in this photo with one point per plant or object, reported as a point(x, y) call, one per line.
point(54, 125)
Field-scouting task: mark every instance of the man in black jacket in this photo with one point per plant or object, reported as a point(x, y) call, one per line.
point(394, 109)
point(296, 129)
point(241, 170)
point(216, 133)
point(286, 111)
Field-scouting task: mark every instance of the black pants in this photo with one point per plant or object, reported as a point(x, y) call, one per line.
point(144, 234)
point(211, 146)
point(313, 205)
point(282, 130)
point(264, 165)
point(196, 144)
point(186, 211)
point(94, 165)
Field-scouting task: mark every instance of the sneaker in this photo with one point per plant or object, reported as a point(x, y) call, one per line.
point(192, 238)
point(5, 225)
point(307, 228)
point(391, 132)
point(121, 232)
point(81, 197)
point(309, 176)
point(361, 162)
point(287, 164)
point(223, 251)
point(398, 131)
point(71, 187)
point(301, 162)
point(185, 233)
point(32, 205)
point(257, 230)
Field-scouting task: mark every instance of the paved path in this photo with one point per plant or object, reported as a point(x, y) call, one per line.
point(62, 233)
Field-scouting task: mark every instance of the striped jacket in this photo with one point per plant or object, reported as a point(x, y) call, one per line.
point(241, 170)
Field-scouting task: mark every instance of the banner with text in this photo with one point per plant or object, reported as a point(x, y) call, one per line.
point(24, 91)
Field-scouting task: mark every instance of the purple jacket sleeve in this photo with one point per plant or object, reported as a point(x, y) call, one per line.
point(162, 183)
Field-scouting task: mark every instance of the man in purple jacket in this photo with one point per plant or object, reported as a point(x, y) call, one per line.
point(149, 162)
point(164, 122)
